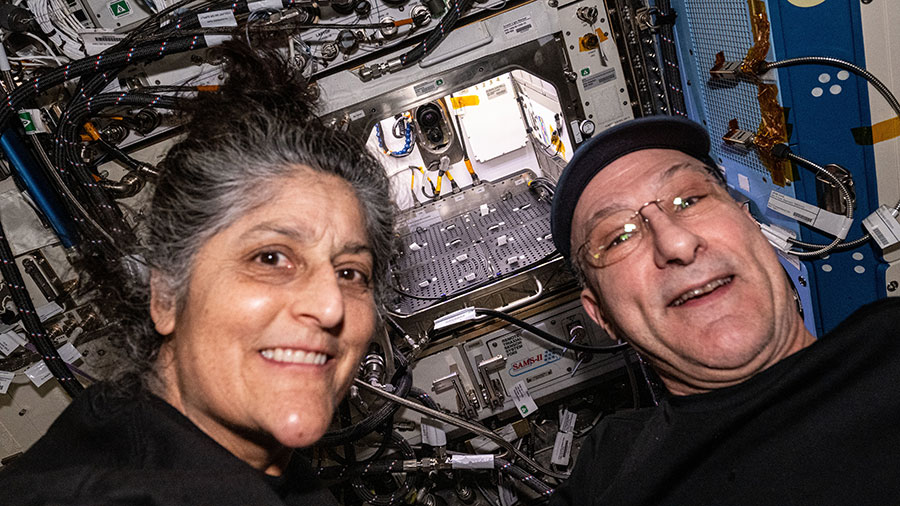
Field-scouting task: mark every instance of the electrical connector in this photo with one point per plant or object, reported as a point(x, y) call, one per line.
point(727, 70)
point(738, 137)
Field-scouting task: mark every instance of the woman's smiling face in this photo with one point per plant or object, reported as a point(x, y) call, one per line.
point(279, 310)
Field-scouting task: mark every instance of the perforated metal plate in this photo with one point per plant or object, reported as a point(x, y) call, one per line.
point(461, 252)
point(724, 25)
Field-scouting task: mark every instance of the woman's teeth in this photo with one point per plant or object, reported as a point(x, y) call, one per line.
point(703, 290)
point(291, 356)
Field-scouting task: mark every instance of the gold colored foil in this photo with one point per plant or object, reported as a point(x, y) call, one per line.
point(773, 128)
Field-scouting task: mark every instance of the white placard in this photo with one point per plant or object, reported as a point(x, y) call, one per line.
point(524, 403)
point(744, 182)
point(260, 5)
point(433, 433)
point(214, 19)
point(883, 226)
point(472, 461)
point(9, 341)
point(48, 310)
point(816, 217)
point(5, 379)
point(38, 373)
point(566, 420)
point(562, 449)
point(517, 27)
point(69, 353)
point(95, 42)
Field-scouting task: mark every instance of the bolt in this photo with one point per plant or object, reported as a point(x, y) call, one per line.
point(866, 1)
point(22, 412)
point(892, 286)
point(552, 3)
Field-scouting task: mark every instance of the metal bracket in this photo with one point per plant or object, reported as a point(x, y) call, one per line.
point(490, 387)
point(468, 404)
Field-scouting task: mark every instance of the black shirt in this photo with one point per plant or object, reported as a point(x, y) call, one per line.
point(820, 427)
point(113, 448)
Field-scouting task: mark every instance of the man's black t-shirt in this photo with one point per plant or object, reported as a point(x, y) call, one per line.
point(135, 449)
point(820, 427)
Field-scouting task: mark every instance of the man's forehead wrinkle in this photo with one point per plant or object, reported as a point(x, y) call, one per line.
point(688, 165)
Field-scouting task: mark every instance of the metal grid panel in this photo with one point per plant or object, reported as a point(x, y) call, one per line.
point(464, 251)
point(724, 25)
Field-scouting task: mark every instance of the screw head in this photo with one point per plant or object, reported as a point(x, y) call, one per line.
point(892, 286)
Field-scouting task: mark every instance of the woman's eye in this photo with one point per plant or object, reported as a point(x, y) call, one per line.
point(353, 276)
point(273, 258)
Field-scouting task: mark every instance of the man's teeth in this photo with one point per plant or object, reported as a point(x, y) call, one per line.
point(703, 290)
point(291, 356)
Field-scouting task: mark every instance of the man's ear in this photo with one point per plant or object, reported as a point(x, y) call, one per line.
point(592, 307)
point(162, 305)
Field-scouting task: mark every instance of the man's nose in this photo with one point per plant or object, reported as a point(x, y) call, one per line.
point(674, 243)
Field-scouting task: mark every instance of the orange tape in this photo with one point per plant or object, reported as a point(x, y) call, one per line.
point(208, 88)
point(601, 35)
point(879, 132)
point(460, 102)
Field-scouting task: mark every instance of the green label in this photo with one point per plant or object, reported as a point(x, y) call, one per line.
point(119, 9)
point(27, 122)
point(585, 71)
point(439, 82)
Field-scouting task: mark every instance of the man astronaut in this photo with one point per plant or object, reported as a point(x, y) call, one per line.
point(758, 411)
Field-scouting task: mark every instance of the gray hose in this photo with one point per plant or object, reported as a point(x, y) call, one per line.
point(845, 194)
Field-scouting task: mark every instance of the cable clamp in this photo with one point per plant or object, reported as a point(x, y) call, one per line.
point(778, 236)
point(476, 461)
point(459, 316)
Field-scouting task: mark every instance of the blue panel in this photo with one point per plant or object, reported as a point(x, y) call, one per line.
point(819, 125)
point(823, 110)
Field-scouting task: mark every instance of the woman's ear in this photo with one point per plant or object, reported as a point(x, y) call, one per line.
point(162, 305)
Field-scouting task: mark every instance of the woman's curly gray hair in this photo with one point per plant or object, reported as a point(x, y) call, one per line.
point(258, 128)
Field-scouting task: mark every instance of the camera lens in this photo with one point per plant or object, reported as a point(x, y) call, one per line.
point(435, 135)
point(429, 116)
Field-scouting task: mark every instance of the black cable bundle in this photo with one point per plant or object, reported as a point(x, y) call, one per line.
point(94, 65)
point(438, 34)
point(30, 320)
point(14, 101)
